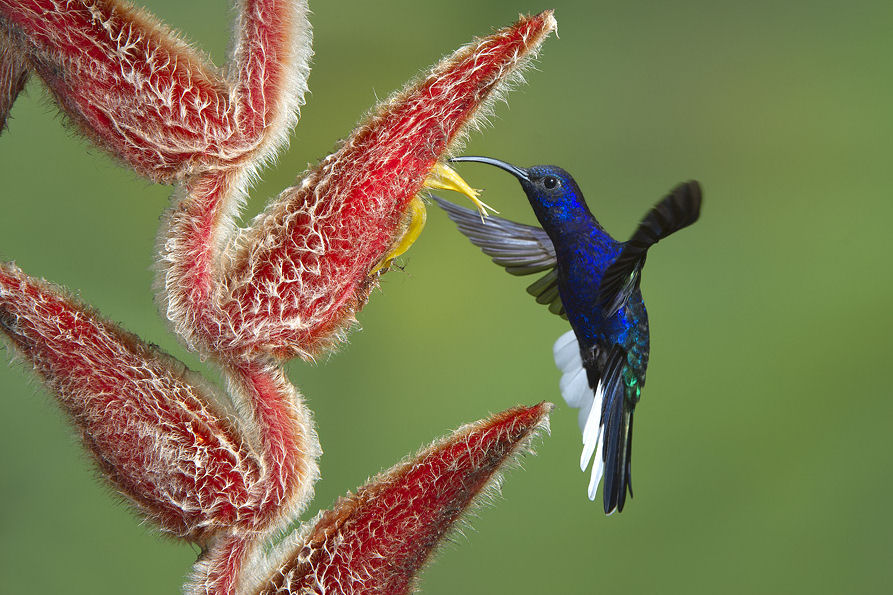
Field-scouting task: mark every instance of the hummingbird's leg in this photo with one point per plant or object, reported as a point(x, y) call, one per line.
point(444, 177)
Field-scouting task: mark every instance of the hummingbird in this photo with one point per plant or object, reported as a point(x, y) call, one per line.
point(592, 281)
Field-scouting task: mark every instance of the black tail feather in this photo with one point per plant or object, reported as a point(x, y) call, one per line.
point(629, 454)
point(616, 419)
point(617, 455)
point(612, 439)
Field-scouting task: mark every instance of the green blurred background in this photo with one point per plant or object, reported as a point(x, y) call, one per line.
point(763, 438)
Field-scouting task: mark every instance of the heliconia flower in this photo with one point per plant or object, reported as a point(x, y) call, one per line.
point(228, 471)
point(291, 283)
point(177, 450)
point(375, 541)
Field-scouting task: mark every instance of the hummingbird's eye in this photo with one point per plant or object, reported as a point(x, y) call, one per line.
point(550, 182)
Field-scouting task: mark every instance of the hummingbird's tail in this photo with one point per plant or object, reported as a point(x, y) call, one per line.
point(677, 210)
point(617, 427)
point(608, 431)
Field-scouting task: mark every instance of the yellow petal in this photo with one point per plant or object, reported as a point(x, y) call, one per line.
point(444, 177)
point(414, 222)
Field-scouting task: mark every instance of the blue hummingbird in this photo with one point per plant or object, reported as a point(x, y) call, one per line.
point(591, 280)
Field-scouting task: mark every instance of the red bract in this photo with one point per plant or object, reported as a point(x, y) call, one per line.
point(376, 540)
point(144, 95)
point(156, 432)
point(228, 471)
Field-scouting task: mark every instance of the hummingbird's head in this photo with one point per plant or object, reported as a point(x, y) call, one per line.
point(554, 195)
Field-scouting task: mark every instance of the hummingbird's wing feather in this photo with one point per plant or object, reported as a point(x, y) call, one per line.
point(545, 290)
point(593, 384)
point(521, 249)
point(679, 209)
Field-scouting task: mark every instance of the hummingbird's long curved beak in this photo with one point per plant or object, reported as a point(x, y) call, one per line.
point(518, 172)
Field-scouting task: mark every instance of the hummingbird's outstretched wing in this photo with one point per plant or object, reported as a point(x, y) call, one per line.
point(592, 383)
point(521, 249)
point(679, 209)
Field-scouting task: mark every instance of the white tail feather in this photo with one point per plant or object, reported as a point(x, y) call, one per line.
point(577, 393)
point(597, 468)
point(575, 388)
point(567, 352)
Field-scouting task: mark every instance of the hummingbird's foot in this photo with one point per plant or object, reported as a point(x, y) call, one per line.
point(412, 225)
point(444, 177)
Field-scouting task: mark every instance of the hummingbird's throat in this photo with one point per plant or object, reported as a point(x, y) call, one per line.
point(441, 177)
